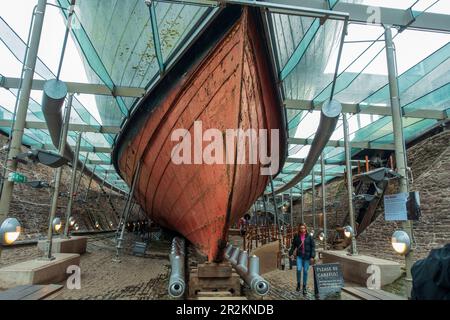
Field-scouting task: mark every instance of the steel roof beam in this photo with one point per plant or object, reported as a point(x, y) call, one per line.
point(72, 127)
point(78, 87)
point(328, 174)
point(99, 162)
point(369, 109)
point(373, 15)
point(340, 143)
point(280, 7)
point(329, 162)
point(358, 13)
point(82, 148)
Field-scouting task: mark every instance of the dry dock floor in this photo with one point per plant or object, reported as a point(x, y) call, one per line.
point(146, 278)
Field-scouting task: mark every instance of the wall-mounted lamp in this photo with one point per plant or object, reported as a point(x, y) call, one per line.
point(10, 231)
point(401, 242)
point(56, 224)
point(349, 232)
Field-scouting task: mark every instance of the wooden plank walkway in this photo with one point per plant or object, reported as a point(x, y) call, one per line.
point(371, 294)
point(30, 292)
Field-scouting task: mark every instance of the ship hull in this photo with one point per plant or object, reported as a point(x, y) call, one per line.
point(227, 83)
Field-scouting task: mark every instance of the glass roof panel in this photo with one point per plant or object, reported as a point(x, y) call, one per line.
point(396, 4)
point(116, 42)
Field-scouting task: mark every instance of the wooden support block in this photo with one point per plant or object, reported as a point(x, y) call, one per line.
point(214, 270)
point(230, 284)
point(214, 294)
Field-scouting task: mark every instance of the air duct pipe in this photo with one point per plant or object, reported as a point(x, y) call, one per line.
point(328, 120)
point(177, 284)
point(248, 269)
point(53, 96)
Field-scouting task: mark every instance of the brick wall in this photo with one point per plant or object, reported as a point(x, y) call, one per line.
point(32, 206)
point(430, 164)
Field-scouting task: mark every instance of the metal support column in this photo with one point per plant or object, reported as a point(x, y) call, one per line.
point(126, 212)
point(302, 206)
point(265, 209)
point(22, 108)
point(81, 173)
point(348, 170)
point(102, 187)
point(313, 193)
point(291, 209)
point(277, 224)
point(90, 182)
point(324, 202)
point(399, 141)
point(62, 146)
point(72, 184)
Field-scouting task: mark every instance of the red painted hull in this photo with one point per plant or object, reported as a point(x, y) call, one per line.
point(232, 87)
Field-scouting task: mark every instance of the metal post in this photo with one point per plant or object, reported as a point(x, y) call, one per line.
point(399, 141)
point(62, 146)
point(101, 187)
point(348, 170)
point(313, 193)
point(72, 185)
point(265, 209)
point(257, 220)
point(277, 224)
point(126, 211)
point(66, 36)
point(81, 173)
point(90, 182)
point(292, 210)
point(302, 207)
point(324, 202)
point(17, 132)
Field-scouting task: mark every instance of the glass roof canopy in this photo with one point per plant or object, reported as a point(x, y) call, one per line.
point(124, 44)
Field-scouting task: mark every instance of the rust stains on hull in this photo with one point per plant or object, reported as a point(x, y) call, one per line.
point(230, 88)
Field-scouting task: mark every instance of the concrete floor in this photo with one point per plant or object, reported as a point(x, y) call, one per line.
point(139, 278)
point(134, 277)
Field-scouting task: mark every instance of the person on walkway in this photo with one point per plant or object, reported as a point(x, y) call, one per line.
point(303, 249)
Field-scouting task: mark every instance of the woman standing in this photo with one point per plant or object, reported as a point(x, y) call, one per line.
point(303, 248)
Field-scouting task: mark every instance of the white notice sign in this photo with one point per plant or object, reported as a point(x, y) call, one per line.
point(395, 207)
